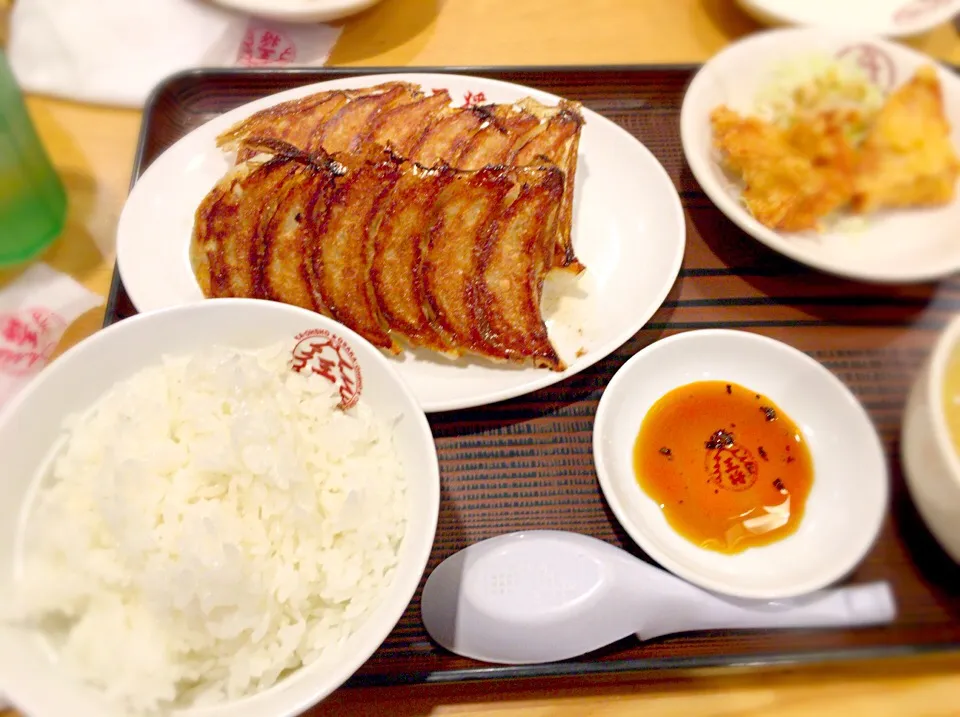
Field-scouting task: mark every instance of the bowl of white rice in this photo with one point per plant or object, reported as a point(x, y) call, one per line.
point(217, 509)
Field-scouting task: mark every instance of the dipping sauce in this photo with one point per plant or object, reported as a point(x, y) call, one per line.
point(729, 469)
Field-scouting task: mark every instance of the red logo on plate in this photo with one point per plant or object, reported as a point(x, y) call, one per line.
point(263, 45)
point(473, 98)
point(733, 468)
point(916, 9)
point(324, 353)
point(28, 339)
point(876, 63)
point(470, 99)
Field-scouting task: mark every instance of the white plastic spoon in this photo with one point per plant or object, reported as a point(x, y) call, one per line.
point(543, 596)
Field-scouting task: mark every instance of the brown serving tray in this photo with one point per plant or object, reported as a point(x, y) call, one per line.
point(527, 463)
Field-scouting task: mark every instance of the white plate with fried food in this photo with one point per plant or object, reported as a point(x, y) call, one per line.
point(883, 18)
point(836, 150)
point(509, 238)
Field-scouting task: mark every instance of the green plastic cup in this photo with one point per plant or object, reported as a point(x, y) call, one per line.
point(33, 203)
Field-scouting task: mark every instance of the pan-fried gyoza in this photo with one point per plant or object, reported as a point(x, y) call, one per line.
point(428, 130)
point(434, 257)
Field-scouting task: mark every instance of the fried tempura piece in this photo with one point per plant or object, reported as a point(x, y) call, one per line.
point(907, 158)
point(792, 178)
point(824, 138)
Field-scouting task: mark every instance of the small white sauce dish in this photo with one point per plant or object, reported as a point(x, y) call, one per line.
point(896, 246)
point(849, 496)
point(930, 463)
point(886, 18)
point(31, 425)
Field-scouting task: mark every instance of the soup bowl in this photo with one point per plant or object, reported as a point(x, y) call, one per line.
point(931, 464)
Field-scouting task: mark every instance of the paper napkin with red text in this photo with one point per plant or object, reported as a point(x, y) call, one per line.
point(115, 52)
point(35, 309)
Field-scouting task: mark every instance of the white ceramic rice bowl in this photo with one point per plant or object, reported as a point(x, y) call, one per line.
point(30, 425)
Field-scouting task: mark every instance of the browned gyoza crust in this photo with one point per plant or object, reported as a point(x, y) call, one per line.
point(514, 257)
point(284, 273)
point(558, 143)
point(427, 130)
point(445, 137)
point(407, 214)
point(246, 198)
point(501, 132)
point(401, 127)
point(296, 121)
point(451, 267)
point(296, 128)
point(445, 259)
point(343, 246)
point(348, 130)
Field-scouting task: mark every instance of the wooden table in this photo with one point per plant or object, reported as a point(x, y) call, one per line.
point(93, 150)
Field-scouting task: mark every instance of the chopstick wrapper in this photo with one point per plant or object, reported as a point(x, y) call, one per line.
point(35, 310)
point(114, 52)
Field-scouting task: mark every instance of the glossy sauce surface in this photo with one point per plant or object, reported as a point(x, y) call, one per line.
point(728, 468)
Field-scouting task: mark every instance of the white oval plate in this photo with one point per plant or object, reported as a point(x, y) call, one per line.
point(306, 11)
point(899, 246)
point(850, 492)
point(628, 228)
point(885, 18)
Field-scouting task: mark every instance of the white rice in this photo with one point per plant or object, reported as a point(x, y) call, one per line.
point(210, 524)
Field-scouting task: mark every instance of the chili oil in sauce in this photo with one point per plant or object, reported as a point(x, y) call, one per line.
point(729, 469)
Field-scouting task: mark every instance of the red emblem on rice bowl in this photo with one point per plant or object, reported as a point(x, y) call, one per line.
point(324, 353)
